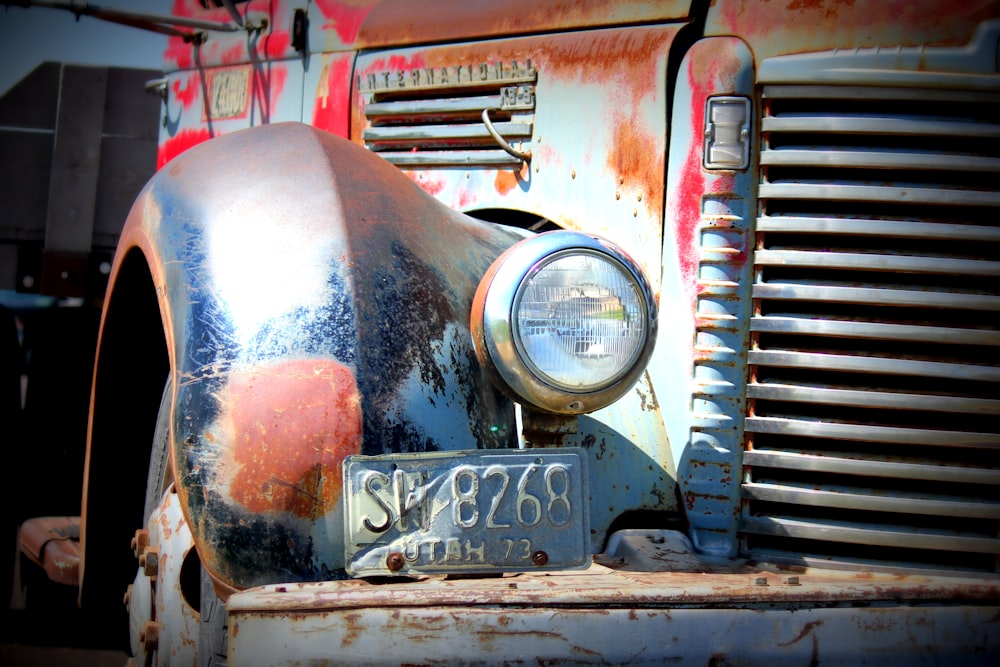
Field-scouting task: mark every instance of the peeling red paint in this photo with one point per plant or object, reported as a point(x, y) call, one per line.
point(189, 93)
point(233, 55)
point(345, 18)
point(687, 207)
point(793, 26)
point(176, 145)
point(631, 63)
point(396, 62)
point(289, 427)
point(230, 48)
point(180, 52)
point(710, 70)
point(432, 186)
point(332, 104)
point(276, 44)
point(404, 21)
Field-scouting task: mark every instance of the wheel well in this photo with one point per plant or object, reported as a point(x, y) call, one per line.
point(132, 366)
point(513, 218)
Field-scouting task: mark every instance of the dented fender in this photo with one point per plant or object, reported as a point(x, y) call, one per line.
point(317, 306)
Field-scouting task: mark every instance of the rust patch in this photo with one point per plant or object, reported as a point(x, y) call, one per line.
point(507, 180)
point(344, 18)
point(288, 428)
point(409, 22)
point(794, 26)
point(806, 629)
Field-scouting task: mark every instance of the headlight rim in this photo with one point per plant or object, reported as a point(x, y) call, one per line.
point(495, 330)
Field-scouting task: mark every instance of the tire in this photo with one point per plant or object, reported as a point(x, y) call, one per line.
point(158, 479)
point(213, 640)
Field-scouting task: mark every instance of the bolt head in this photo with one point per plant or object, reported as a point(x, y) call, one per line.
point(395, 561)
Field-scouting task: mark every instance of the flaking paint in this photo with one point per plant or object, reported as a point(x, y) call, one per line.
point(288, 427)
point(778, 27)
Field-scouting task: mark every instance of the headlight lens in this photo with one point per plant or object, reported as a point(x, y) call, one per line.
point(567, 322)
point(579, 321)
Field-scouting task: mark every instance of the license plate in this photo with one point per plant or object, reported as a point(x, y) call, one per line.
point(228, 98)
point(466, 512)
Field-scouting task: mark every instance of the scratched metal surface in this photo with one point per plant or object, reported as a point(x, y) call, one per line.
point(256, 331)
point(649, 600)
point(311, 316)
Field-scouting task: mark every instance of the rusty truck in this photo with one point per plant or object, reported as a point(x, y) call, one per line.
point(555, 332)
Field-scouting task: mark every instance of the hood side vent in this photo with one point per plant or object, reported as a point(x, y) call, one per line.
point(434, 117)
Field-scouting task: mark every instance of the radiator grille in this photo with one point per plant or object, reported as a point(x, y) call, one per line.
point(433, 117)
point(873, 425)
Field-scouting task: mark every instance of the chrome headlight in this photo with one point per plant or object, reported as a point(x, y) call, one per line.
point(564, 321)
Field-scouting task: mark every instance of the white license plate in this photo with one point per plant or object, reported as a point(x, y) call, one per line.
point(229, 96)
point(465, 512)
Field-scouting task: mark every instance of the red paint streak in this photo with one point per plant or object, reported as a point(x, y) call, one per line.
point(290, 427)
point(174, 146)
point(273, 44)
point(179, 52)
point(332, 106)
point(465, 199)
point(189, 93)
point(233, 55)
point(276, 44)
point(432, 187)
point(687, 206)
point(344, 18)
point(711, 69)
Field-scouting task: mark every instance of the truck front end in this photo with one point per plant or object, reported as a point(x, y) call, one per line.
point(598, 333)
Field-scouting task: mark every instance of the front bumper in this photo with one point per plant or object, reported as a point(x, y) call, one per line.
point(699, 613)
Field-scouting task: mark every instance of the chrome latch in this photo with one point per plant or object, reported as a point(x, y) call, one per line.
point(727, 133)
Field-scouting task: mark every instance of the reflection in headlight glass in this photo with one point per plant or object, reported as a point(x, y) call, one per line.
point(579, 322)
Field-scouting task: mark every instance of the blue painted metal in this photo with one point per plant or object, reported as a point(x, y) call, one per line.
point(315, 301)
point(706, 283)
point(310, 318)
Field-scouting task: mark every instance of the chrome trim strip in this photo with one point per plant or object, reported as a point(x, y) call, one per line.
point(857, 499)
point(840, 362)
point(880, 126)
point(890, 536)
point(862, 227)
point(874, 330)
point(428, 107)
point(443, 132)
point(878, 160)
point(876, 193)
point(848, 260)
point(827, 92)
point(873, 399)
point(871, 468)
point(873, 295)
point(868, 433)
point(488, 158)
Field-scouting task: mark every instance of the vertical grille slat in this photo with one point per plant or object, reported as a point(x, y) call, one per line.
point(874, 388)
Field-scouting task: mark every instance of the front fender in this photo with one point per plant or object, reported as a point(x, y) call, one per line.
point(317, 303)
